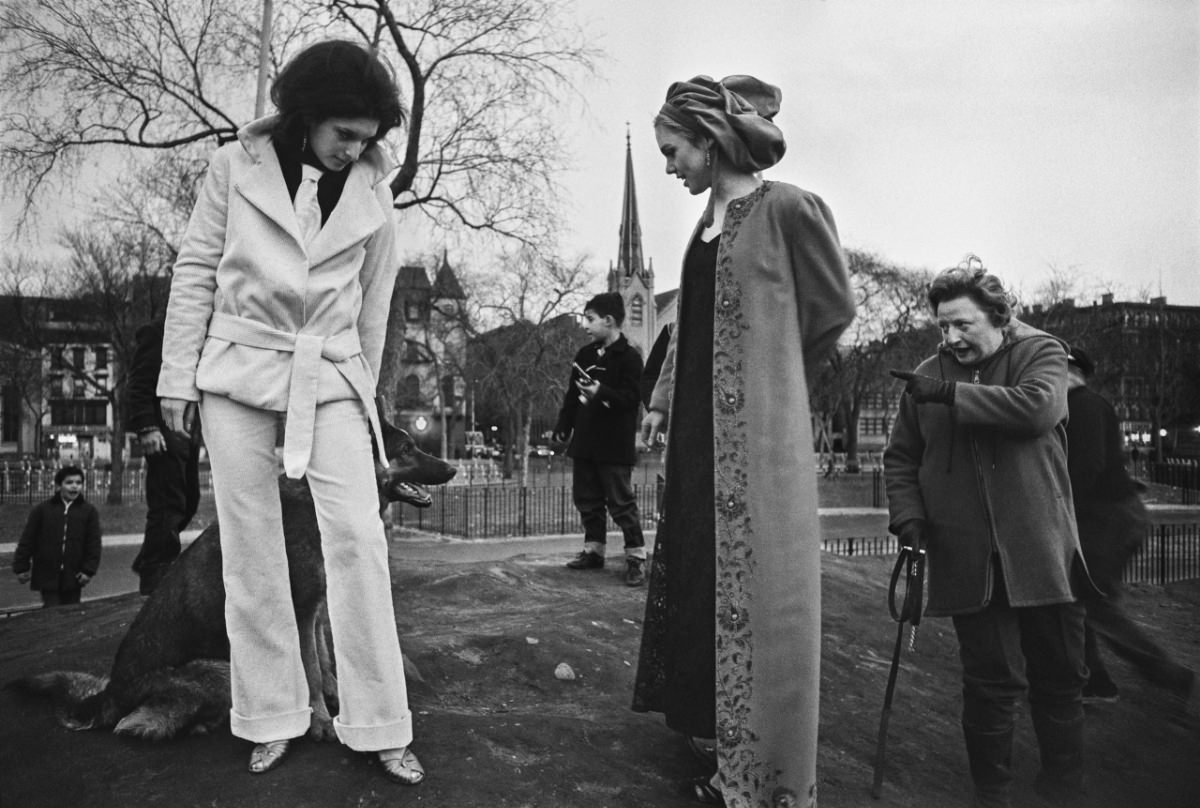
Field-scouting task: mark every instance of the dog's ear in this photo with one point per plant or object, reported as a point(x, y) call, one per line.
point(384, 423)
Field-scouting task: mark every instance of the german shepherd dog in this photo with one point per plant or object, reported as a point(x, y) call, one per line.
point(171, 672)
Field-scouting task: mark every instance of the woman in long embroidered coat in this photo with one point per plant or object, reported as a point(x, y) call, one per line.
point(731, 644)
point(279, 303)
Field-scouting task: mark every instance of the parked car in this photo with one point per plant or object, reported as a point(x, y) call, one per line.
point(541, 451)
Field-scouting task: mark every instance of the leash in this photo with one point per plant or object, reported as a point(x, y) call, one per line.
point(912, 563)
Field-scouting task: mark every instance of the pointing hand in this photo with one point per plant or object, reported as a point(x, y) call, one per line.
point(926, 389)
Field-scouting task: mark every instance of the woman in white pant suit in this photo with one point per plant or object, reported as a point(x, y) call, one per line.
point(279, 303)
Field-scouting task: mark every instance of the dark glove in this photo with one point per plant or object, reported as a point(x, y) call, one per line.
point(925, 389)
point(912, 534)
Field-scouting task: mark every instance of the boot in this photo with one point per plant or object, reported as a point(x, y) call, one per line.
point(1059, 731)
point(990, 756)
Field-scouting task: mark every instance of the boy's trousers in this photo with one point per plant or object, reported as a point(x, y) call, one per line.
point(270, 691)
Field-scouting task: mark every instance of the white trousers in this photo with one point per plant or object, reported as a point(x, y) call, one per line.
point(270, 691)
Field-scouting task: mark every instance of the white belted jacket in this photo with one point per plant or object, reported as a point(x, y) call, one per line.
point(254, 317)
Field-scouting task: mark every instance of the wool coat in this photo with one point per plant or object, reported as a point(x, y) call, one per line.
point(604, 429)
point(988, 475)
point(255, 317)
point(1111, 517)
point(782, 299)
point(59, 542)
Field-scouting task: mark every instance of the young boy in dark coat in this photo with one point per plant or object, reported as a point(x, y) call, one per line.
point(59, 551)
point(599, 417)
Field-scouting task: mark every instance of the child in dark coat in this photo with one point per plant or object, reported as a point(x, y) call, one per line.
point(599, 417)
point(59, 551)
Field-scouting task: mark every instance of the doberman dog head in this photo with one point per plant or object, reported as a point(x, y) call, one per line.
point(408, 470)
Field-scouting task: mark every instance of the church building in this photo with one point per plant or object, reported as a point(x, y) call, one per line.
point(632, 276)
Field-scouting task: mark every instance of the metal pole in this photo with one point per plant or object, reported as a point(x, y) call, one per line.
point(264, 59)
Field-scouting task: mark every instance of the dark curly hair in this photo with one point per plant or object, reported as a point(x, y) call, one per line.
point(970, 279)
point(67, 471)
point(334, 79)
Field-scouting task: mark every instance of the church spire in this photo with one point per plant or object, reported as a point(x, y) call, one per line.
point(629, 255)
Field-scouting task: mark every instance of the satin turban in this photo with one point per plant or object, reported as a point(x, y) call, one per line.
point(735, 112)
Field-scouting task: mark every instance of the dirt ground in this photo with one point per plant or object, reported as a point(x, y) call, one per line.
point(496, 728)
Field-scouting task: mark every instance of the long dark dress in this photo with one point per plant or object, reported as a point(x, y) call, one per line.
point(676, 672)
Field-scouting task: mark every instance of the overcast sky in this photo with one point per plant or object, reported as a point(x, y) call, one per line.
point(1033, 133)
point(1030, 132)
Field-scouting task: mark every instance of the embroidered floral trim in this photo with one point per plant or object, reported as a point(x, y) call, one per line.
point(743, 774)
point(748, 781)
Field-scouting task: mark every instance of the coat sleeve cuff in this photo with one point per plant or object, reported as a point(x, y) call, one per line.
point(176, 383)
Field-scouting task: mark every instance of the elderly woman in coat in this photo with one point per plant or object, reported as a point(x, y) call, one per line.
point(731, 645)
point(279, 303)
point(976, 473)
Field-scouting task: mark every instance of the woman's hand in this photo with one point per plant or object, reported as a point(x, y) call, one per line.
point(179, 415)
point(652, 426)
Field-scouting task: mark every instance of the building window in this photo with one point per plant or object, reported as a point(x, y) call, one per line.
point(412, 311)
point(408, 392)
point(635, 310)
point(873, 426)
point(79, 412)
point(416, 353)
point(101, 357)
point(79, 357)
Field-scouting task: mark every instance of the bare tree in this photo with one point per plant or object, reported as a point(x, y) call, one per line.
point(483, 79)
point(524, 337)
point(114, 282)
point(157, 199)
point(891, 329)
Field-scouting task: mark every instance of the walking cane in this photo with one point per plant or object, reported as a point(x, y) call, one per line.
point(912, 561)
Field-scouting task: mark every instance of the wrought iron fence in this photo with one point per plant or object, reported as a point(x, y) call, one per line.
point(1171, 552)
point(480, 511)
point(1180, 474)
point(29, 482)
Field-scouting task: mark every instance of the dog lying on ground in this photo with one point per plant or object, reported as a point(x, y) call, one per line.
point(171, 672)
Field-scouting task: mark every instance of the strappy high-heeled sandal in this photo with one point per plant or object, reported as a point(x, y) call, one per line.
point(402, 766)
point(266, 756)
point(703, 791)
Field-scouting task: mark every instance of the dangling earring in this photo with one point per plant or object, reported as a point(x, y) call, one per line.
point(304, 144)
point(707, 157)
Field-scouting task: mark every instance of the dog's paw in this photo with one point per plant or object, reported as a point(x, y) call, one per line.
point(147, 724)
point(320, 728)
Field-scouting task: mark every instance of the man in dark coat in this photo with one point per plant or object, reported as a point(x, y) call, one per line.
point(599, 417)
point(1112, 525)
point(172, 463)
point(59, 550)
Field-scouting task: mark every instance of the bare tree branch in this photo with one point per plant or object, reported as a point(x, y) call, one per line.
point(484, 80)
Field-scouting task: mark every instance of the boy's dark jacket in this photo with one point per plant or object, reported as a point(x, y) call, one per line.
point(58, 551)
point(604, 428)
